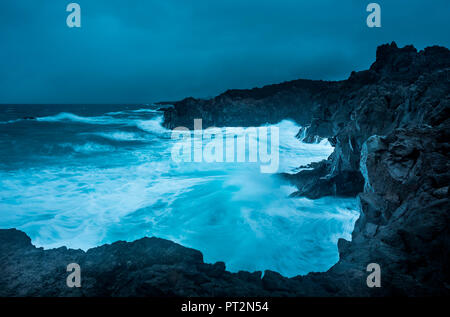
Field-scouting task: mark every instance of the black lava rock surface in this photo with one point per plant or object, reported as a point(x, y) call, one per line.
point(390, 126)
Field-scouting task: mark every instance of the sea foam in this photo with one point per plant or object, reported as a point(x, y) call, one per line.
point(120, 190)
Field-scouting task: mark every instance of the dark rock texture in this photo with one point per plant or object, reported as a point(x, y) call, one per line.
point(404, 221)
point(146, 267)
point(403, 88)
point(257, 106)
point(390, 127)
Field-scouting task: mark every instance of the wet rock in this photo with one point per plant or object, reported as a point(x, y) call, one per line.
point(403, 88)
point(390, 126)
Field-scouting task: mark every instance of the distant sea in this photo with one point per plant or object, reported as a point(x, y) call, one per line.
point(81, 176)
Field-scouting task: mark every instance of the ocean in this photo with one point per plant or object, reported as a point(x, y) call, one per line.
point(85, 175)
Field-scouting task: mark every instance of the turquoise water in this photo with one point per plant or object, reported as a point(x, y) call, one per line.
point(81, 176)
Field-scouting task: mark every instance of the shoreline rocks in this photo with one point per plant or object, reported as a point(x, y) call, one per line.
point(403, 88)
point(403, 227)
point(390, 126)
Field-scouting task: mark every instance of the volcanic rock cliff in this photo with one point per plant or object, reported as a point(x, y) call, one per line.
point(403, 88)
point(390, 127)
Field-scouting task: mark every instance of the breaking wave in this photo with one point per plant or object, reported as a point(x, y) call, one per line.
point(103, 187)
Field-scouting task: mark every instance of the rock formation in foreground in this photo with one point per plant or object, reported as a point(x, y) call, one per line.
point(391, 129)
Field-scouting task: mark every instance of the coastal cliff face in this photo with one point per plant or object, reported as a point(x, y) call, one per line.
point(403, 88)
point(390, 126)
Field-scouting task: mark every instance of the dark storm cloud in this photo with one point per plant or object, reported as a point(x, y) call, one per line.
point(143, 51)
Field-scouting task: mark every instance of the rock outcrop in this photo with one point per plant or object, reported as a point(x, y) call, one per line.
point(404, 221)
point(390, 126)
point(403, 88)
point(146, 267)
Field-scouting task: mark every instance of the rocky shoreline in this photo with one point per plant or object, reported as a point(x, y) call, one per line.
point(390, 126)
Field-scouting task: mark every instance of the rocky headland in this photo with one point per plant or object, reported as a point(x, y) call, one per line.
point(390, 126)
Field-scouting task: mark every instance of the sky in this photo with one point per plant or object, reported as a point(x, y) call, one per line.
point(143, 51)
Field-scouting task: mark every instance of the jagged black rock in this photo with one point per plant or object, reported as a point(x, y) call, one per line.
point(390, 126)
